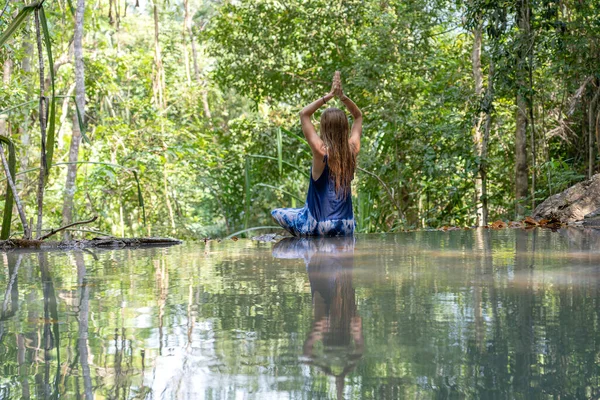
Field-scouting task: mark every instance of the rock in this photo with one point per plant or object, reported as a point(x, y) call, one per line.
point(592, 219)
point(573, 204)
point(268, 237)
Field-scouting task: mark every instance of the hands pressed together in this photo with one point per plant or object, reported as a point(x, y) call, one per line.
point(336, 87)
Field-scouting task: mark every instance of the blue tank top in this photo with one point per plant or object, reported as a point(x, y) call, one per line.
point(323, 202)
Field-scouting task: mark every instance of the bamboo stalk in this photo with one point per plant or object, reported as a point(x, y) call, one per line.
point(42, 117)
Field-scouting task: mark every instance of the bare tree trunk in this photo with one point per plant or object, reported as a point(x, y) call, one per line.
point(159, 80)
point(167, 200)
point(24, 126)
point(67, 213)
point(60, 136)
point(187, 20)
point(591, 132)
point(186, 23)
point(28, 49)
point(521, 167)
point(205, 105)
point(42, 111)
point(69, 194)
point(13, 188)
point(8, 63)
point(531, 116)
point(489, 100)
point(477, 136)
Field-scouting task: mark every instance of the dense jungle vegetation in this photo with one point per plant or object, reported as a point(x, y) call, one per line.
point(473, 110)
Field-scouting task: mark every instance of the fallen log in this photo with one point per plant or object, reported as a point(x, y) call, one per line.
point(97, 242)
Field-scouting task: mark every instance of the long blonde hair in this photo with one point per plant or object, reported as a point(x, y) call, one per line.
point(342, 159)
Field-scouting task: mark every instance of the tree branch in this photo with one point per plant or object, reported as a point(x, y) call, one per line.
point(62, 228)
point(387, 189)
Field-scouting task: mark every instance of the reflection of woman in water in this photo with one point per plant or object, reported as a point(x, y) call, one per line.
point(337, 325)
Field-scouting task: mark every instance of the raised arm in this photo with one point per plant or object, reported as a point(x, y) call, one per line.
point(310, 133)
point(356, 131)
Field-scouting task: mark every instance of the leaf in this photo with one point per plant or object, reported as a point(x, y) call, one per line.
point(81, 124)
point(17, 21)
point(71, 8)
point(9, 198)
point(50, 135)
point(498, 225)
point(530, 221)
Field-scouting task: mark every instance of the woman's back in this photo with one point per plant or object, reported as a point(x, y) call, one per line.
point(328, 208)
point(324, 202)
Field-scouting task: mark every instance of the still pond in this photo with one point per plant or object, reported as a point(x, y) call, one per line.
point(510, 314)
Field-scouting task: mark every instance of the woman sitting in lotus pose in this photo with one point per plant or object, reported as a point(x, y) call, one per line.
point(328, 208)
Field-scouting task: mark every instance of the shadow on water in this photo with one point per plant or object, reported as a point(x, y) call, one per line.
point(336, 323)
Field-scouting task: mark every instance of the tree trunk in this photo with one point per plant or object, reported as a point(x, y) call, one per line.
point(489, 100)
point(530, 43)
point(28, 49)
point(521, 167)
point(7, 70)
point(42, 116)
point(159, 81)
point(205, 105)
point(69, 194)
point(60, 135)
point(67, 213)
point(477, 136)
point(13, 188)
point(186, 23)
point(24, 127)
point(591, 133)
point(167, 199)
point(204, 94)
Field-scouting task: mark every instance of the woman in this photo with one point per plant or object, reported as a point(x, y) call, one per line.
point(328, 208)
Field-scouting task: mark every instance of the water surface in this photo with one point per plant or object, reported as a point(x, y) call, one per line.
point(425, 315)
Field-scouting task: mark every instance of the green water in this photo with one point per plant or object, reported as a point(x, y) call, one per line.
point(426, 315)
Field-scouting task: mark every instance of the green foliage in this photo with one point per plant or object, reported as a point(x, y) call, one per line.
point(18, 21)
point(406, 63)
point(52, 113)
point(8, 195)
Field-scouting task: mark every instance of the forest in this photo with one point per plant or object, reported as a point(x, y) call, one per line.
point(181, 118)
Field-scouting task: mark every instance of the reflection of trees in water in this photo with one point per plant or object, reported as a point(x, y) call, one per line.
point(83, 322)
point(51, 334)
point(336, 323)
point(478, 314)
point(538, 340)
